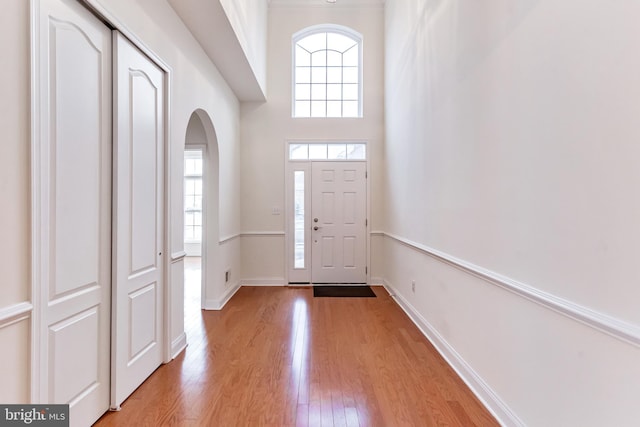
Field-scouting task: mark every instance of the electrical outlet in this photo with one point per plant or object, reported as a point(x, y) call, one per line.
point(413, 286)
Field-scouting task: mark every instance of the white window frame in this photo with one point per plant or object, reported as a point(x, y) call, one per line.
point(327, 28)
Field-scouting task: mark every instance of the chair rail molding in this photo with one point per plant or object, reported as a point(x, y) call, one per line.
point(609, 325)
point(15, 313)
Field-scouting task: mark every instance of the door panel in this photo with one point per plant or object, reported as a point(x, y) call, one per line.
point(75, 99)
point(138, 229)
point(75, 372)
point(338, 209)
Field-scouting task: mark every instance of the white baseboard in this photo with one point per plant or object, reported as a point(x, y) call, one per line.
point(483, 392)
point(178, 345)
point(375, 281)
point(274, 281)
point(218, 304)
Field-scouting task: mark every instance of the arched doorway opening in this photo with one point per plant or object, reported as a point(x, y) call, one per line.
point(201, 219)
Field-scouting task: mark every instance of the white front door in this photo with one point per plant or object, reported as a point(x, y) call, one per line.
point(74, 80)
point(338, 222)
point(138, 228)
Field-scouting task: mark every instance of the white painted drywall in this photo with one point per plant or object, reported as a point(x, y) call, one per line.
point(512, 144)
point(267, 126)
point(14, 362)
point(233, 38)
point(14, 153)
point(15, 196)
point(248, 19)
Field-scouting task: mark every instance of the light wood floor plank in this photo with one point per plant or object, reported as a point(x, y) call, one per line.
point(279, 357)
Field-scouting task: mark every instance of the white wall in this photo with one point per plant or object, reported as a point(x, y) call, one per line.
point(267, 126)
point(511, 149)
point(195, 83)
point(15, 221)
point(249, 21)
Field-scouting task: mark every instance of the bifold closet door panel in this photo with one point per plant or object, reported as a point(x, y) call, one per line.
point(74, 81)
point(138, 227)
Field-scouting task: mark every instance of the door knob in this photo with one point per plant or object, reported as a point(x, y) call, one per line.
point(315, 219)
point(316, 228)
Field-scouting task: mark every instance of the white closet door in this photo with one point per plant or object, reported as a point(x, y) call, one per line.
point(138, 227)
point(74, 78)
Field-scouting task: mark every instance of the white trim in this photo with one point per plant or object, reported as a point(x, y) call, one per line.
point(612, 326)
point(178, 345)
point(263, 234)
point(178, 256)
point(377, 281)
point(272, 281)
point(103, 13)
point(218, 304)
point(305, 165)
point(37, 263)
point(498, 408)
point(15, 313)
point(353, 4)
point(227, 239)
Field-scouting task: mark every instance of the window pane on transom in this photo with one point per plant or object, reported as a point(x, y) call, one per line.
point(350, 109)
point(340, 42)
point(318, 108)
point(318, 92)
point(303, 75)
point(350, 75)
point(356, 151)
point(327, 151)
point(318, 75)
point(350, 92)
point(337, 151)
point(303, 57)
point(303, 109)
point(351, 58)
point(319, 59)
point(334, 108)
point(334, 74)
point(303, 92)
point(299, 151)
point(317, 151)
point(314, 42)
point(334, 92)
point(334, 59)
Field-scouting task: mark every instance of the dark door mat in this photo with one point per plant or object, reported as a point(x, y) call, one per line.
point(344, 291)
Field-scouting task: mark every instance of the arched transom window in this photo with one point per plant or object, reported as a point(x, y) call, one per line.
point(327, 74)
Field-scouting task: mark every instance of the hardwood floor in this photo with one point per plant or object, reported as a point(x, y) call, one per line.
point(277, 356)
